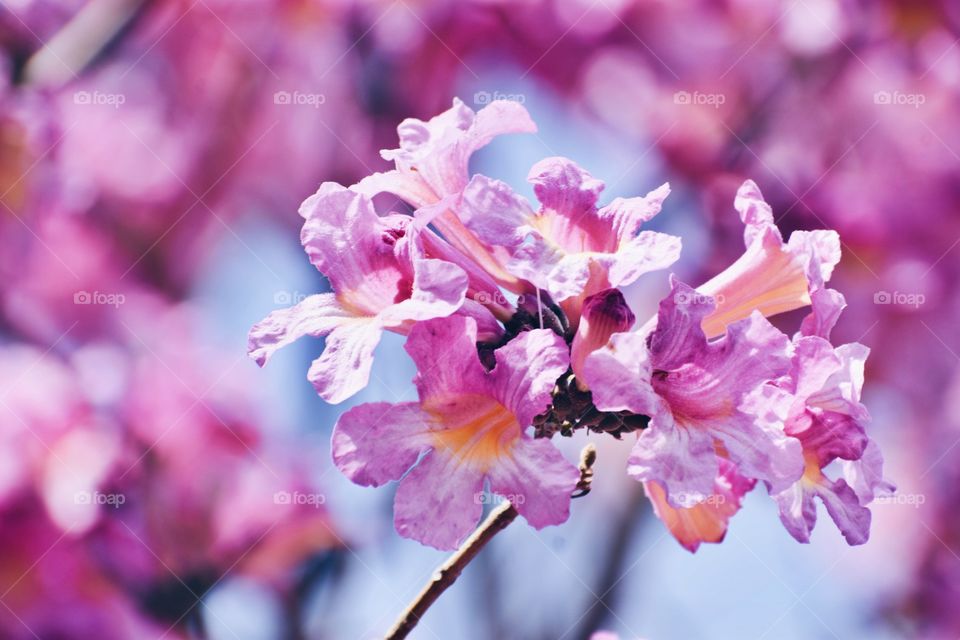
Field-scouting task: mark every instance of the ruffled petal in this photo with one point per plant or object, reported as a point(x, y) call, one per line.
point(567, 190)
point(682, 460)
point(619, 375)
point(719, 388)
point(439, 502)
point(439, 289)
point(315, 315)
point(538, 480)
point(439, 150)
point(406, 186)
point(798, 512)
point(865, 475)
point(707, 521)
point(648, 251)
point(355, 248)
point(844, 507)
point(448, 365)
point(343, 368)
point(526, 372)
point(629, 214)
point(759, 446)
point(494, 212)
point(375, 443)
point(826, 306)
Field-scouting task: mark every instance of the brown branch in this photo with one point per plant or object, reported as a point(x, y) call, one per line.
point(449, 571)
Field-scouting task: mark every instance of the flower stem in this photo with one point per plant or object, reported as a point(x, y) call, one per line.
point(449, 571)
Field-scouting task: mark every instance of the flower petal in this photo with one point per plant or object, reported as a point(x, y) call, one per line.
point(439, 150)
point(354, 248)
point(844, 507)
point(448, 365)
point(865, 476)
point(682, 460)
point(538, 480)
point(564, 188)
point(526, 372)
point(648, 251)
point(771, 276)
point(406, 186)
point(343, 368)
point(439, 502)
point(629, 214)
point(798, 512)
point(315, 315)
point(707, 521)
point(439, 289)
point(619, 375)
point(375, 443)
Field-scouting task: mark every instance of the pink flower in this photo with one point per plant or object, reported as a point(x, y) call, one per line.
point(379, 282)
point(468, 428)
point(828, 419)
point(771, 276)
point(707, 400)
point(569, 248)
point(432, 168)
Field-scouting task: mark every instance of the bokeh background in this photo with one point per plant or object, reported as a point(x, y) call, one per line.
point(155, 484)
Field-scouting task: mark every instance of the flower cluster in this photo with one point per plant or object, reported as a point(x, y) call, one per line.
point(515, 319)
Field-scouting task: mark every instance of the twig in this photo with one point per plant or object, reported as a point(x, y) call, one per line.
point(450, 570)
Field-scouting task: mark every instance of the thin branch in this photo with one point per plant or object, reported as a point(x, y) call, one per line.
point(449, 571)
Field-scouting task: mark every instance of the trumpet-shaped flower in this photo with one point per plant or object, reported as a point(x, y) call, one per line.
point(772, 276)
point(432, 168)
point(568, 247)
point(379, 281)
point(707, 400)
point(467, 428)
point(828, 419)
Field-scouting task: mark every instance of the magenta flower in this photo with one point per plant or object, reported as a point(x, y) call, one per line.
point(826, 416)
point(569, 247)
point(707, 400)
point(603, 315)
point(468, 428)
point(379, 282)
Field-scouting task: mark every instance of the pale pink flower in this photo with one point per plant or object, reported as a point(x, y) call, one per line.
point(467, 429)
